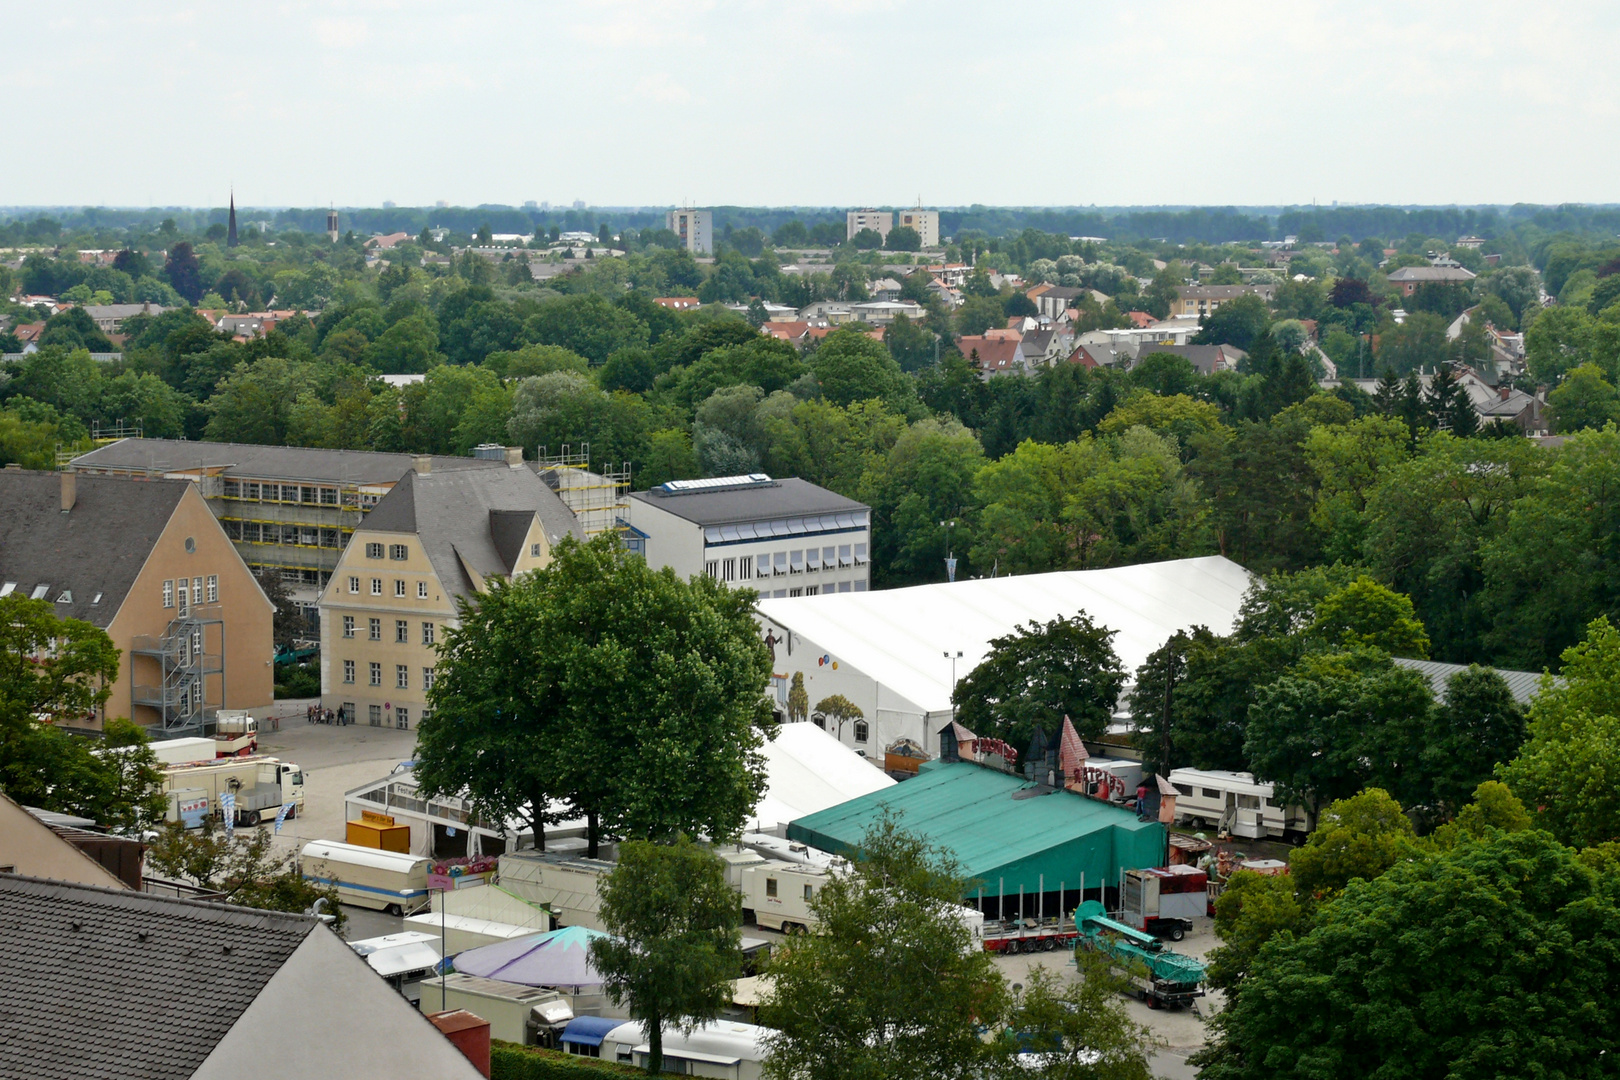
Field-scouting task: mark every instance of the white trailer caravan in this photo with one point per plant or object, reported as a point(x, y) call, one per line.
point(258, 786)
point(1237, 803)
point(777, 894)
point(721, 1048)
point(368, 877)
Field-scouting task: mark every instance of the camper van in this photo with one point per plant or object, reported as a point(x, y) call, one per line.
point(777, 894)
point(723, 1048)
point(1236, 803)
point(366, 877)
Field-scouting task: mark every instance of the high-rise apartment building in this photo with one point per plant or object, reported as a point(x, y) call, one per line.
point(879, 221)
point(694, 228)
point(926, 222)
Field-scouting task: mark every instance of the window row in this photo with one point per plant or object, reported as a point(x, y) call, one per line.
point(183, 592)
point(306, 494)
point(400, 591)
point(268, 532)
point(402, 675)
point(775, 564)
point(402, 630)
point(816, 590)
point(397, 552)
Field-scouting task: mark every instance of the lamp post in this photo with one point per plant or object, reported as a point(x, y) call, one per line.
point(950, 549)
point(953, 658)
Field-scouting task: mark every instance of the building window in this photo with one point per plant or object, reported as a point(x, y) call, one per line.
point(402, 677)
point(399, 589)
point(376, 629)
point(796, 562)
point(860, 554)
point(781, 566)
point(402, 632)
point(348, 671)
point(861, 730)
point(213, 588)
point(421, 590)
point(427, 678)
point(376, 586)
point(376, 674)
point(354, 585)
point(770, 886)
point(398, 551)
point(374, 715)
point(829, 557)
point(427, 633)
point(402, 719)
point(812, 590)
point(168, 593)
point(763, 565)
point(185, 597)
point(329, 496)
point(745, 568)
point(348, 626)
point(374, 551)
point(534, 551)
point(795, 592)
point(844, 557)
point(712, 568)
point(728, 570)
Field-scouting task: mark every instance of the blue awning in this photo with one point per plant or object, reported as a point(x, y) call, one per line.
point(588, 1030)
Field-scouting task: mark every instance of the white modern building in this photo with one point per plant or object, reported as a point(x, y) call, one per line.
point(897, 653)
point(694, 228)
point(879, 221)
point(785, 538)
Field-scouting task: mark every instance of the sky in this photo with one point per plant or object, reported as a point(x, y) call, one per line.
point(781, 103)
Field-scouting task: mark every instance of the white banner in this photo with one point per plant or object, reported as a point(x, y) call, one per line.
point(227, 807)
point(281, 816)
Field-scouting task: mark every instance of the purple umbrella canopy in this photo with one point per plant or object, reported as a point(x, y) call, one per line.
point(558, 958)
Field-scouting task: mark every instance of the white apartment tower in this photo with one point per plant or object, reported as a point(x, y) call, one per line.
point(695, 228)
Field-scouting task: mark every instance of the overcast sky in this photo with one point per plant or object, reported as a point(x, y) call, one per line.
point(831, 103)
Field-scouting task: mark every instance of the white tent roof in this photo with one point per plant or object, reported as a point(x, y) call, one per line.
point(808, 770)
point(898, 636)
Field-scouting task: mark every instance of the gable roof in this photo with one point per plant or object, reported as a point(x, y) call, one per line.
point(472, 520)
point(96, 549)
point(995, 353)
point(1523, 685)
point(109, 982)
point(1430, 273)
point(1206, 358)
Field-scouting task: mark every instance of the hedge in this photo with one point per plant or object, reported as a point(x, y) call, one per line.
point(510, 1061)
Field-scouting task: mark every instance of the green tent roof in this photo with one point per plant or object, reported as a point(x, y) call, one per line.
point(1005, 832)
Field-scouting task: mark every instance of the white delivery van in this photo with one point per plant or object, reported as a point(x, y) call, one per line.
point(368, 877)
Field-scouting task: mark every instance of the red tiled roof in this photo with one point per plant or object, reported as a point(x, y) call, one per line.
point(1140, 319)
point(995, 353)
point(787, 331)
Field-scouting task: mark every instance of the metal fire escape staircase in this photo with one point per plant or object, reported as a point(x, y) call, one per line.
point(184, 696)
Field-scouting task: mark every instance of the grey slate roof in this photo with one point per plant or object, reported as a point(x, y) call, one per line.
point(268, 462)
point(480, 516)
point(1203, 357)
point(785, 498)
point(97, 547)
point(1523, 685)
point(113, 983)
point(1431, 273)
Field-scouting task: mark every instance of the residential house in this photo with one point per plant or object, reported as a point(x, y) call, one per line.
point(782, 537)
point(109, 982)
point(824, 313)
point(1045, 346)
point(1408, 278)
point(149, 564)
point(109, 318)
point(434, 538)
point(879, 221)
point(1203, 300)
point(1207, 359)
point(1141, 320)
point(286, 508)
point(884, 312)
point(945, 294)
point(926, 222)
point(952, 274)
point(1053, 300)
point(382, 242)
point(884, 288)
point(993, 354)
point(796, 332)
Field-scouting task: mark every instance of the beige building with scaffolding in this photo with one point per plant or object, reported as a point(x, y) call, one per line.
point(287, 508)
point(600, 500)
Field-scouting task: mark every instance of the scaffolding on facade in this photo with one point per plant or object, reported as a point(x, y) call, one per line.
point(181, 695)
point(600, 500)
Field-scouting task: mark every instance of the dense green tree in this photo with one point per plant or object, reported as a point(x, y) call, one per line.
point(589, 325)
point(1039, 674)
point(1488, 959)
point(254, 403)
point(1584, 399)
point(1365, 614)
point(244, 866)
point(1078, 1027)
point(1251, 910)
point(674, 948)
point(1356, 838)
point(408, 347)
point(903, 238)
point(1238, 322)
point(74, 329)
point(923, 482)
point(1477, 727)
point(851, 365)
point(184, 271)
point(888, 979)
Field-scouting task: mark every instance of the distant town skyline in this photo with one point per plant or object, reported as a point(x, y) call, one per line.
point(841, 104)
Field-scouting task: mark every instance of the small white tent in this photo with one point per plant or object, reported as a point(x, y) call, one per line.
point(806, 771)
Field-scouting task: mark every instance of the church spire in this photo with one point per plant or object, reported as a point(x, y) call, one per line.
point(230, 229)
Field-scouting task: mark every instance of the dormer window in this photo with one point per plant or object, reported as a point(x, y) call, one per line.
point(8, 588)
point(96, 599)
point(39, 592)
point(66, 597)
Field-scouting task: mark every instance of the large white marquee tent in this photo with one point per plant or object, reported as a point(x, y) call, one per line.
point(890, 652)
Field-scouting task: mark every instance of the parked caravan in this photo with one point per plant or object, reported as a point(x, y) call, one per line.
point(366, 877)
point(777, 894)
point(516, 1013)
point(721, 1048)
point(1236, 803)
point(565, 885)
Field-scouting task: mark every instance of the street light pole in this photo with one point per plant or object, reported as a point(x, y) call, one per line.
point(953, 658)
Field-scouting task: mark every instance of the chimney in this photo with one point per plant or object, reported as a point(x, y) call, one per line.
point(1504, 390)
point(468, 1032)
point(423, 464)
point(70, 489)
point(514, 456)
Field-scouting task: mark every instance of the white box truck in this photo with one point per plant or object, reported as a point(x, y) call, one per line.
point(368, 877)
point(260, 786)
